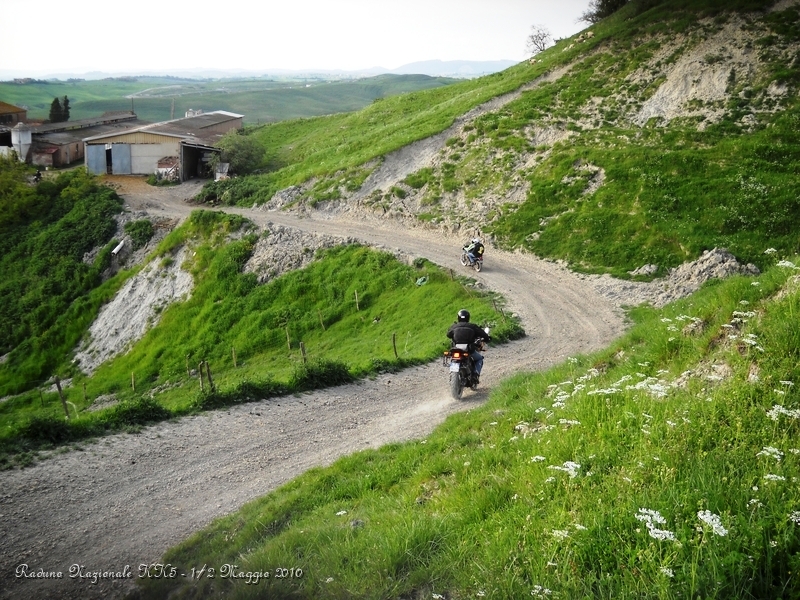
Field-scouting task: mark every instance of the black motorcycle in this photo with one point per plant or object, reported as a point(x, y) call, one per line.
point(462, 367)
point(477, 264)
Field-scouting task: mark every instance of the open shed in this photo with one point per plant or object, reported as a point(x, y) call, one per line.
point(138, 151)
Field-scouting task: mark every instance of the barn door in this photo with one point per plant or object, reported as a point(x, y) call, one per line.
point(96, 159)
point(121, 159)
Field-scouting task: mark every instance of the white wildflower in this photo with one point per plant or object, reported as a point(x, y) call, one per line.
point(795, 517)
point(580, 527)
point(713, 520)
point(569, 422)
point(770, 251)
point(568, 467)
point(777, 410)
point(667, 571)
point(329, 580)
point(787, 264)
point(652, 517)
point(560, 534)
point(771, 452)
point(787, 383)
point(771, 477)
point(550, 480)
point(341, 513)
point(538, 459)
point(649, 516)
point(539, 591)
point(755, 502)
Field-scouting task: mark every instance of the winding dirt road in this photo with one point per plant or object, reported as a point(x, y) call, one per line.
point(125, 499)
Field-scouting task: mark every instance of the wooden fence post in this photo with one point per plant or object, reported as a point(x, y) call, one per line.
point(303, 351)
point(394, 344)
point(233, 353)
point(84, 391)
point(208, 374)
point(200, 372)
point(61, 395)
point(357, 301)
point(321, 322)
point(288, 339)
point(133, 381)
point(188, 372)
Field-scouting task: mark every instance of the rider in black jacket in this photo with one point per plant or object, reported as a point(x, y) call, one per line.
point(464, 332)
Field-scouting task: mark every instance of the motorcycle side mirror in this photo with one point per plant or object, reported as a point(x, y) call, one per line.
point(486, 329)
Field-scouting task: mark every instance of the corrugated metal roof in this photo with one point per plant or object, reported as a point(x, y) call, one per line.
point(78, 135)
point(191, 129)
point(125, 117)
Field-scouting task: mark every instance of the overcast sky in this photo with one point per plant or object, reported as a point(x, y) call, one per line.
point(79, 36)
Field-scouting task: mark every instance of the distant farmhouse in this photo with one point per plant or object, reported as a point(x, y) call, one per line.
point(119, 143)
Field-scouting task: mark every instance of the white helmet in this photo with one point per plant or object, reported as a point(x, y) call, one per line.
point(476, 240)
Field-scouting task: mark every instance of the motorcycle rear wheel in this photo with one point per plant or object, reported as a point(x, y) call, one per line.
point(478, 265)
point(456, 387)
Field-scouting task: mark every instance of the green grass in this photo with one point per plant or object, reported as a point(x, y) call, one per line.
point(589, 480)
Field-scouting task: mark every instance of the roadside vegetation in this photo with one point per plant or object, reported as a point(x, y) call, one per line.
point(661, 467)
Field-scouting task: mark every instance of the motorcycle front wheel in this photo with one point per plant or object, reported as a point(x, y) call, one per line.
point(456, 387)
point(464, 259)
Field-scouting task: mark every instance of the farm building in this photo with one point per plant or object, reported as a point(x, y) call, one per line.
point(10, 116)
point(59, 144)
point(144, 150)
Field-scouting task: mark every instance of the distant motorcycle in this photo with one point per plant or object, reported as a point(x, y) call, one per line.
point(477, 264)
point(459, 361)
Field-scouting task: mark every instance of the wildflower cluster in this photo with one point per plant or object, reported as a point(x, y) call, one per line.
point(568, 467)
point(714, 521)
point(651, 518)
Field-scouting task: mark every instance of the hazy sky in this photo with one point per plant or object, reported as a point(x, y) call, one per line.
point(78, 36)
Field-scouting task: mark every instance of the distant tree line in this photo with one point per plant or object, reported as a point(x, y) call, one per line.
point(59, 110)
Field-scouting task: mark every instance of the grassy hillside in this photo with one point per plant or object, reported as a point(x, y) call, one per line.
point(609, 167)
point(260, 100)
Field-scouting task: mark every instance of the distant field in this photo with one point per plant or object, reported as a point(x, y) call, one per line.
point(260, 100)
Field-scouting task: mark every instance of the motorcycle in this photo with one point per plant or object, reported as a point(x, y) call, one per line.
point(465, 260)
point(461, 365)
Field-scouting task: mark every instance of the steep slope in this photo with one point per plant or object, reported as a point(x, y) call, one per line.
point(658, 115)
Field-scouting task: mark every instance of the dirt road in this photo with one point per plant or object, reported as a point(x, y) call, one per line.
point(125, 499)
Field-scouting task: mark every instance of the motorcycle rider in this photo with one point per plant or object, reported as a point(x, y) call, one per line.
point(474, 250)
point(464, 333)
